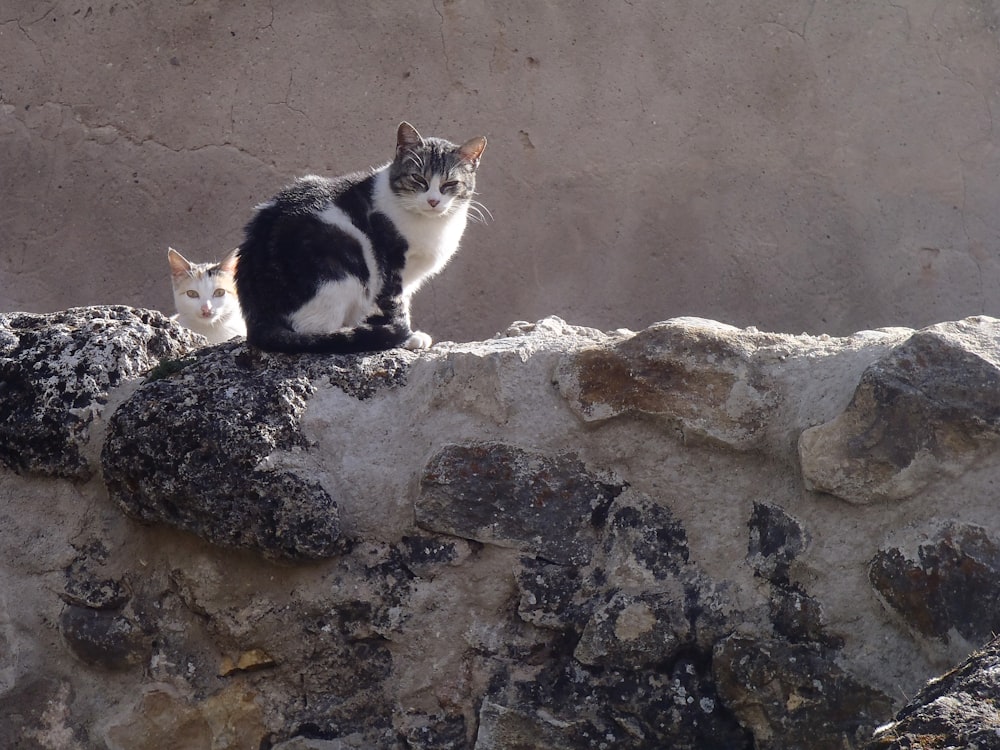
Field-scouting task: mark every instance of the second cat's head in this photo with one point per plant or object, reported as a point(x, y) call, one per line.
point(203, 291)
point(432, 176)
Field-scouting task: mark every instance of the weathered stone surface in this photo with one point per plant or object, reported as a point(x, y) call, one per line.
point(86, 588)
point(165, 720)
point(696, 374)
point(37, 716)
point(953, 585)
point(794, 696)
point(219, 417)
point(960, 709)
point(776, 539)
point(502, 494)
point(628, 668)
point(55, 374)
point(635, 631)
point(929, 409)
point(103, 638)
point(497, 572)
point(572, 706)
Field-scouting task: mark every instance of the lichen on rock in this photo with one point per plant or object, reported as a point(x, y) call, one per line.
point(56, 371)
point(189, 448)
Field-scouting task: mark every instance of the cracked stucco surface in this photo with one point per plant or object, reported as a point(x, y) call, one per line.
point(791, 165)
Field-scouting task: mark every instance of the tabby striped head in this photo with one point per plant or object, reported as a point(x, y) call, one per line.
point(432, 176)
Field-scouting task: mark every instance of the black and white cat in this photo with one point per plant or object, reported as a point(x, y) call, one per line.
point(329, 264)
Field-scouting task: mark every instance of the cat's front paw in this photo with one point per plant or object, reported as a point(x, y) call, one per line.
point(417, 340)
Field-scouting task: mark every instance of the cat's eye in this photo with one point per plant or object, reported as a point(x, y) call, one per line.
point(419, 181)
point(449, 185)
point(191, 293)
point(219, 293)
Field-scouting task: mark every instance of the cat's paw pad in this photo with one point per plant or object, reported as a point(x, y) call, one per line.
point(417, 340)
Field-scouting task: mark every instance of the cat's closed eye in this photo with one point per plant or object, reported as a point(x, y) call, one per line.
point(192, 293)
point(449, 185)
point(419, 181)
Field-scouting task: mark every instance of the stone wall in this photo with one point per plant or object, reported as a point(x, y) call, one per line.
point(793, 165)
point(691, 536)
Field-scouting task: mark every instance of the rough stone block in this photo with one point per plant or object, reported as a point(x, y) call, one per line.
point(928, 409)
point(550, 506)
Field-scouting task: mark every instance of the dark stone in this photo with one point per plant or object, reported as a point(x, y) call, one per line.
point(776, 539)
point(644, 534)
point(960, 709)
point(954, 583)
point(927, 393)
point(551, 595)
point(799, 617)
point(96, 594)
point(573, 706)
point(550, 506)
point(240, 406)
point(438, 733)
point(341, 686)
point(636, 631)
point(104, 638)
point(56, 371)
point(425, 554)
point(85, 588)
point(794, 696)
point(27, 712)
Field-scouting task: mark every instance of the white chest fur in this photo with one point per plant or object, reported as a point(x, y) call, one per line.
point(432, 239)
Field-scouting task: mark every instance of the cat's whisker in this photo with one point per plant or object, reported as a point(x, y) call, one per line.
point(479, 213)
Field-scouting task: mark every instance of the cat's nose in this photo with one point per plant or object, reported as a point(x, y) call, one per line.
point(433, 201)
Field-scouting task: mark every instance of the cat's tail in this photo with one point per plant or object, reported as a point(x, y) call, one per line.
point(361, 338)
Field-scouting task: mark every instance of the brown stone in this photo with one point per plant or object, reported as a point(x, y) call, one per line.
point(164, 720)
point(696, 375)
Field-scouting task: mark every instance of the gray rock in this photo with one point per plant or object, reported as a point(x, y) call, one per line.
point(960, 709)
point(794, 696)
point(928, 409)
point(104, 638)
point(636, 632)
point(56, 371)
point(35, 716)
point(550, 506)
point(190, 448)
point(776, 539)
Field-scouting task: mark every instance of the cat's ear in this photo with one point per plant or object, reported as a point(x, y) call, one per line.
point(179, 265)
point(472, 149)
point(228, 264)
point(407, 137)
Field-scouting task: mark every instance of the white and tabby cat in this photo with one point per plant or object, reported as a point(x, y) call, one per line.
point(205, 296)
point(329, 264)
